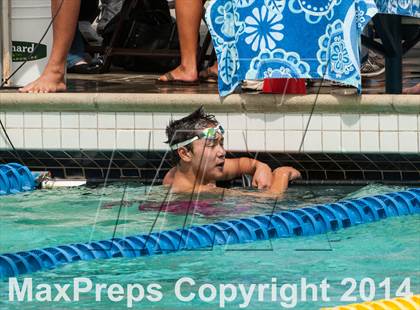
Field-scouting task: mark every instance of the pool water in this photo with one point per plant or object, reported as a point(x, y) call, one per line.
point(386, 249)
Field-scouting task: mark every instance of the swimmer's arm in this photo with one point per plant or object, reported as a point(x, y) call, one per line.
point(237, 167)
point(233, 168)
point(281, 178)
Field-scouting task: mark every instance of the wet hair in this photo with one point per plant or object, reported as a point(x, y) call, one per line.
point(187, 127)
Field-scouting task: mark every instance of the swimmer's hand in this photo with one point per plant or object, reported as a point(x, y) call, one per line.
point(262, 177)
point(287, 172)
point(281, 178)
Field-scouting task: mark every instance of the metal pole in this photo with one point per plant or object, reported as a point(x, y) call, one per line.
point(389, 29)
point(393, 65)
point(6, 38)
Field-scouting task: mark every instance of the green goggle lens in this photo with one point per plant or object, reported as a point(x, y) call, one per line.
point(211, 133)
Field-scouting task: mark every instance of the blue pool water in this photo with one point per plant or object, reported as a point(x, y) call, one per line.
point(379, 250)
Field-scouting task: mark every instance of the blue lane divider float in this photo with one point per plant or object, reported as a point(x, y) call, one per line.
point(307, 221)
point(15, 178)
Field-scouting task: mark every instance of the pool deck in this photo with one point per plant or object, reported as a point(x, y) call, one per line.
point(121, 91)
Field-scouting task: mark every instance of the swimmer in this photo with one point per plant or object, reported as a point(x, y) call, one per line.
point(196, 142)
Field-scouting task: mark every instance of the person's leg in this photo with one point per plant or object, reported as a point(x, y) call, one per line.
point(76, 55)
point(371, 64)
point(188, 17)
point(64, 26)
point(412, 90)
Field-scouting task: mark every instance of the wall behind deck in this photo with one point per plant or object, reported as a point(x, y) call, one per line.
point(273, 132)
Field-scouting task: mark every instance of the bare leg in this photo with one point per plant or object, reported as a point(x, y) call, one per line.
point(52, 79)
point(188, 17)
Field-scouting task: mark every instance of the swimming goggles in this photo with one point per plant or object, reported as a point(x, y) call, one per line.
point(208, 134)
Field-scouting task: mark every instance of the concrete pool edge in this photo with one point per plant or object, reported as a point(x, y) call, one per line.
point(140, 102)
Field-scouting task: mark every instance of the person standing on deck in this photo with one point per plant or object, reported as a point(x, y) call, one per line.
point(188, 19)
point(64, 27)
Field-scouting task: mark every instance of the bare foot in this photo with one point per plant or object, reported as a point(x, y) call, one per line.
point(412, 90)
point(48, 82)
point(181, 73)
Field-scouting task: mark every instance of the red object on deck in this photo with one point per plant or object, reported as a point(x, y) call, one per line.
point(284, 86)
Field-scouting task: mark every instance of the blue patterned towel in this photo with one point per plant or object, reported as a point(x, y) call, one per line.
point(257, 39)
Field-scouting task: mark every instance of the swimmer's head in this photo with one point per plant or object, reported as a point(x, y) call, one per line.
point(197, 140)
